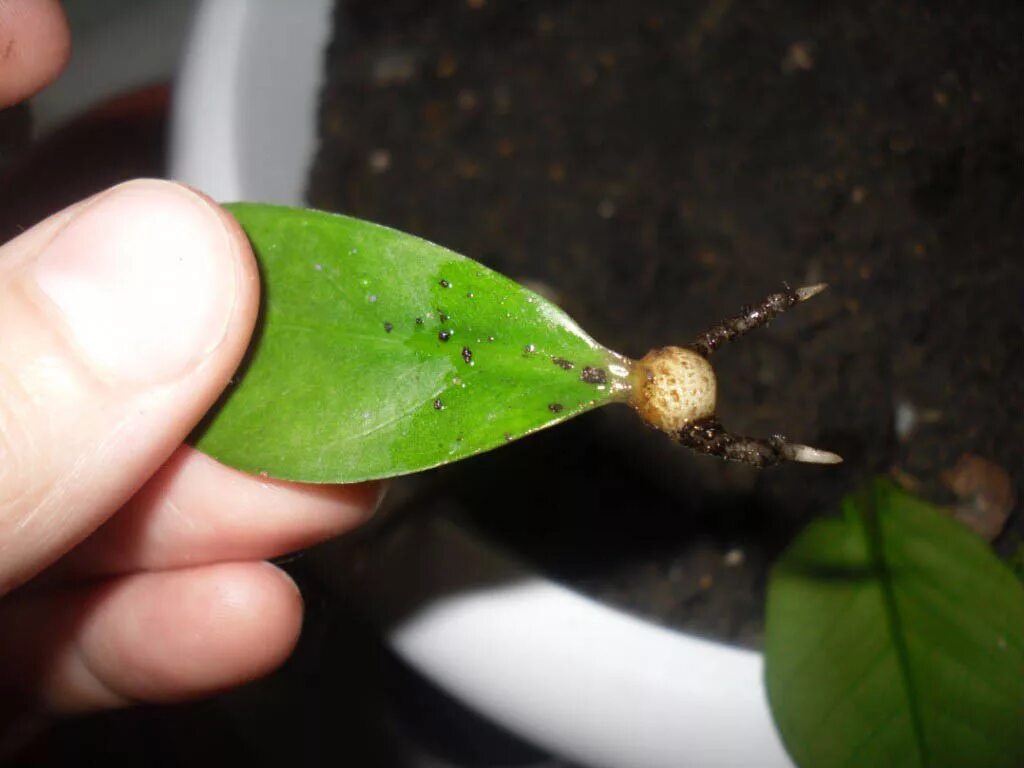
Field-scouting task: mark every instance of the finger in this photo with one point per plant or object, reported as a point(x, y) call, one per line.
point(195, 511)
point(123, 319)
point(152, 637)
point(34, 47)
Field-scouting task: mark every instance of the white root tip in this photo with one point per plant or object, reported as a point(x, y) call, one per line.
point(810, 291)
point(808, 455)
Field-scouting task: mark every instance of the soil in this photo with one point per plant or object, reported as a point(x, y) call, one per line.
point(653, 166)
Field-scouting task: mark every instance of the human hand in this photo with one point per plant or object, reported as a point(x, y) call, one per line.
point(131, 565)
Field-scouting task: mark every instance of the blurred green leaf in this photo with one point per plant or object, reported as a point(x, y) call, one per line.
point(379, 354)
point(895, 638)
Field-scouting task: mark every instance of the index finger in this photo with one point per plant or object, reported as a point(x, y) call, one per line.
point(34, 47)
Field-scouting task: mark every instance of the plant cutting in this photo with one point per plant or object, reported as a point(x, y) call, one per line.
point(380, 354)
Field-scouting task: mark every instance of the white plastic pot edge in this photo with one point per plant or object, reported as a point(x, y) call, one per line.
point(243, 125)
point(572, 675)
point(582, 679)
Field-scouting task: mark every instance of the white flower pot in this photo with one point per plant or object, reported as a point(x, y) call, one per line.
point(574, 676)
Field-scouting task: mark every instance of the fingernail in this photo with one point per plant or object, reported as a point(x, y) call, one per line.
point(144, 277)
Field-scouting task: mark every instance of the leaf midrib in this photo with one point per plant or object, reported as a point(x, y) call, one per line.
point(870, 519)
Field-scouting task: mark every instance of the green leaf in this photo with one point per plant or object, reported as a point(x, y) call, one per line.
point(895, 638)
point(379, 354)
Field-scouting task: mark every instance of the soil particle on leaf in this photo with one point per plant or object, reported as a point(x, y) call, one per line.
point(445, 284)
point(556, 407)
point(594, 375)
point(444, 335)
point(388, 327)
point(561, 362)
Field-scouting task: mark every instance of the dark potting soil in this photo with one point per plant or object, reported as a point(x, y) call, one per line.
point(654, 165)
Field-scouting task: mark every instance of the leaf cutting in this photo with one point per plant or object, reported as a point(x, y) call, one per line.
point(378, 354)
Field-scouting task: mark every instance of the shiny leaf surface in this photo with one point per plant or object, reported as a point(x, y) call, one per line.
point(380, 354)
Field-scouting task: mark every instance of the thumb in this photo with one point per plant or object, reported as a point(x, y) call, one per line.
point(121, 320)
